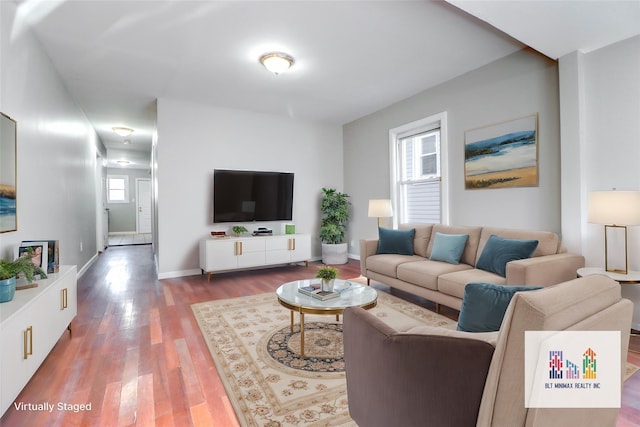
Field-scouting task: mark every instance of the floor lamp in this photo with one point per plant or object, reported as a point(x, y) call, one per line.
point(614, 209)
point(380, 208)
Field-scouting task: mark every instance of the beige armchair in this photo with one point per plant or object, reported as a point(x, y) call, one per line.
point(436, 377)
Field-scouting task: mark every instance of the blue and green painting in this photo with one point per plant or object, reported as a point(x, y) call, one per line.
point(504, 155)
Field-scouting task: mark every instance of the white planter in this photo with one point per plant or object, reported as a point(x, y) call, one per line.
point(334, 254)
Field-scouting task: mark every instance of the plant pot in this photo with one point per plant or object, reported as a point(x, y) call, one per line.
point(327, 285)
point(334, 253)
point(7, 289)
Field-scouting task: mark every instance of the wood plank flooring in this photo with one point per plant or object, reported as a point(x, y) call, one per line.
point(137, 357)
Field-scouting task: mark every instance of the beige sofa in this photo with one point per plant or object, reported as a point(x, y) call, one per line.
point(444, 283)
point(430, 376)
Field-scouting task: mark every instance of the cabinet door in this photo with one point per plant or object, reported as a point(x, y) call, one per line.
point(301, 247)
point(14, 368)
point(221, 255)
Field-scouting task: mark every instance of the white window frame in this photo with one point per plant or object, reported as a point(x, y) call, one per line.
point(420, 126)
point(125, 178)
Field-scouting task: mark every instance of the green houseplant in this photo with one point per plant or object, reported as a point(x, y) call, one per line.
point(335, 214)
point(238, 229)
point(327, 274)
point(10, 269)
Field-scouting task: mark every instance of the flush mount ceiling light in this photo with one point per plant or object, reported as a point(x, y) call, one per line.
point(123, 162)
point(122, 131)
point(276, 62)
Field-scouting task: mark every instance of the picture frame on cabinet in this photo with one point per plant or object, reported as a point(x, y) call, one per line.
point(37, 251)
point(53, 254)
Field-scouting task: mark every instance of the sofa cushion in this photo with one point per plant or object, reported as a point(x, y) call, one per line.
point(421, 239)
point(548, 242)
point(399, 242)
point(448, 247)
point(484, 305)
point(469, 253)
point(453, 283)
point(425, 273)
point(499, 251)
point(387, 264)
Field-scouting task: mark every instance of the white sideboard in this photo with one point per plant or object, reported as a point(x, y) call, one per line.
point(30, 325)
point(232, 253)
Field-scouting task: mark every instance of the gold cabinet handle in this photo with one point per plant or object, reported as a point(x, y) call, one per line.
point(238, 248)
point(64, 299)
point(292, 244)
point(28, 342)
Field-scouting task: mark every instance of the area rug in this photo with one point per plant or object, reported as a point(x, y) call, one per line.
point(256, 356)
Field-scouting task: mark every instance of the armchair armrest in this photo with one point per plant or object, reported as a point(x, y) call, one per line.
point(367, 248)
point(544, 270)
point(409, 379)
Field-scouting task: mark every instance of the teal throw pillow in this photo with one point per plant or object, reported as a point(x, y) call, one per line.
point(499, 251)
point(448, 247)
point(398, 242)
point(484, 305)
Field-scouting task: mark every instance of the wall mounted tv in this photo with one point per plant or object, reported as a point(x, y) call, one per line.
point(244, 196)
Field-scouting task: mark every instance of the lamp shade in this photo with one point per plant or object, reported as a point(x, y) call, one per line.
point(380, 208)
point(614, 207)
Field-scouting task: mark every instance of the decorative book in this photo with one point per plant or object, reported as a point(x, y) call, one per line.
point(316, 292)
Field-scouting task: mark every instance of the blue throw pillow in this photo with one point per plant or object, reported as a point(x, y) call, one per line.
point(448, 247)
point(484, 305)
point(499, 251)
point(395, 241)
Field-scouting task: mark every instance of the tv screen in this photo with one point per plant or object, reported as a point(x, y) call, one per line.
point(243, 196)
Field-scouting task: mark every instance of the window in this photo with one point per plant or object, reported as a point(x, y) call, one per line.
point(417, 166)
point(118, 189)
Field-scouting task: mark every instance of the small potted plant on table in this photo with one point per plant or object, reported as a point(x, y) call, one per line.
point(327, 275)
point(10, 269)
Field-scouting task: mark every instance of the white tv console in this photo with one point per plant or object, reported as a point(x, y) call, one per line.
point(30, 325)
point(233, 253)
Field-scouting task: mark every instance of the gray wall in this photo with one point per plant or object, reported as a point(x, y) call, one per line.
point(123, 216)
point(518, 85)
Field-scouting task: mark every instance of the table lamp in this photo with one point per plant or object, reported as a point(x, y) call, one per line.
point(380, 208)
point(614, 209)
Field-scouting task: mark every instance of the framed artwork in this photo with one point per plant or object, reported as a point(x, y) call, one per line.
point(8, 195)
point(502, 155)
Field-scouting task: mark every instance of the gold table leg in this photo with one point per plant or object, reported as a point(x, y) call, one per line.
point(302, 335)
point(291, 321)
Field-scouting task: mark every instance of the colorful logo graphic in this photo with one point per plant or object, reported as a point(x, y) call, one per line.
point(559, 368)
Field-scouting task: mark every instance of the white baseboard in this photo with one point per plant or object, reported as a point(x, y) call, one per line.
point(181, 273)
point(88, 264)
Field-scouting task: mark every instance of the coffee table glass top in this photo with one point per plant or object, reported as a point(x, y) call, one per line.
point(351, 295)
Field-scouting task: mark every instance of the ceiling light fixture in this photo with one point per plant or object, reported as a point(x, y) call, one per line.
point(277, 62)
point(123, 162)
point(122, 131)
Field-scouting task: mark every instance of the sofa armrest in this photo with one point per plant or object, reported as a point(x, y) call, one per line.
point(368, 247)
point(409, 379)
point(544, 270)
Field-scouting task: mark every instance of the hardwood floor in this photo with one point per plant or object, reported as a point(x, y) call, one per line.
point(136, 356)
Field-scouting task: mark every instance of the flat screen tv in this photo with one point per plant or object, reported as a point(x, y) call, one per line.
point(244, 196)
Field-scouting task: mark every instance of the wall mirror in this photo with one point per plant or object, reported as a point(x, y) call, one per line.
point(8, 194)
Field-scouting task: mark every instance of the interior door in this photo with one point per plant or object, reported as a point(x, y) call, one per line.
point(144, 205)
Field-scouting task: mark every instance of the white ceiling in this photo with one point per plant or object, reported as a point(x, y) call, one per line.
point(352, 57)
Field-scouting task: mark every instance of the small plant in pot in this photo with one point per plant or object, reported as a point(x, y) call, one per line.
point(238, 230)
point(10, 269)
point(335, 214)
point(327, 274)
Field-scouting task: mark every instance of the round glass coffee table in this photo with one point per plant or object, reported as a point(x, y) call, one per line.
point(350, 295)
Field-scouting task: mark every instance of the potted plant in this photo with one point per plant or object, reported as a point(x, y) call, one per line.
point(238, 230)
point(10, 269)
point(335, 214)
point(327, 275)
